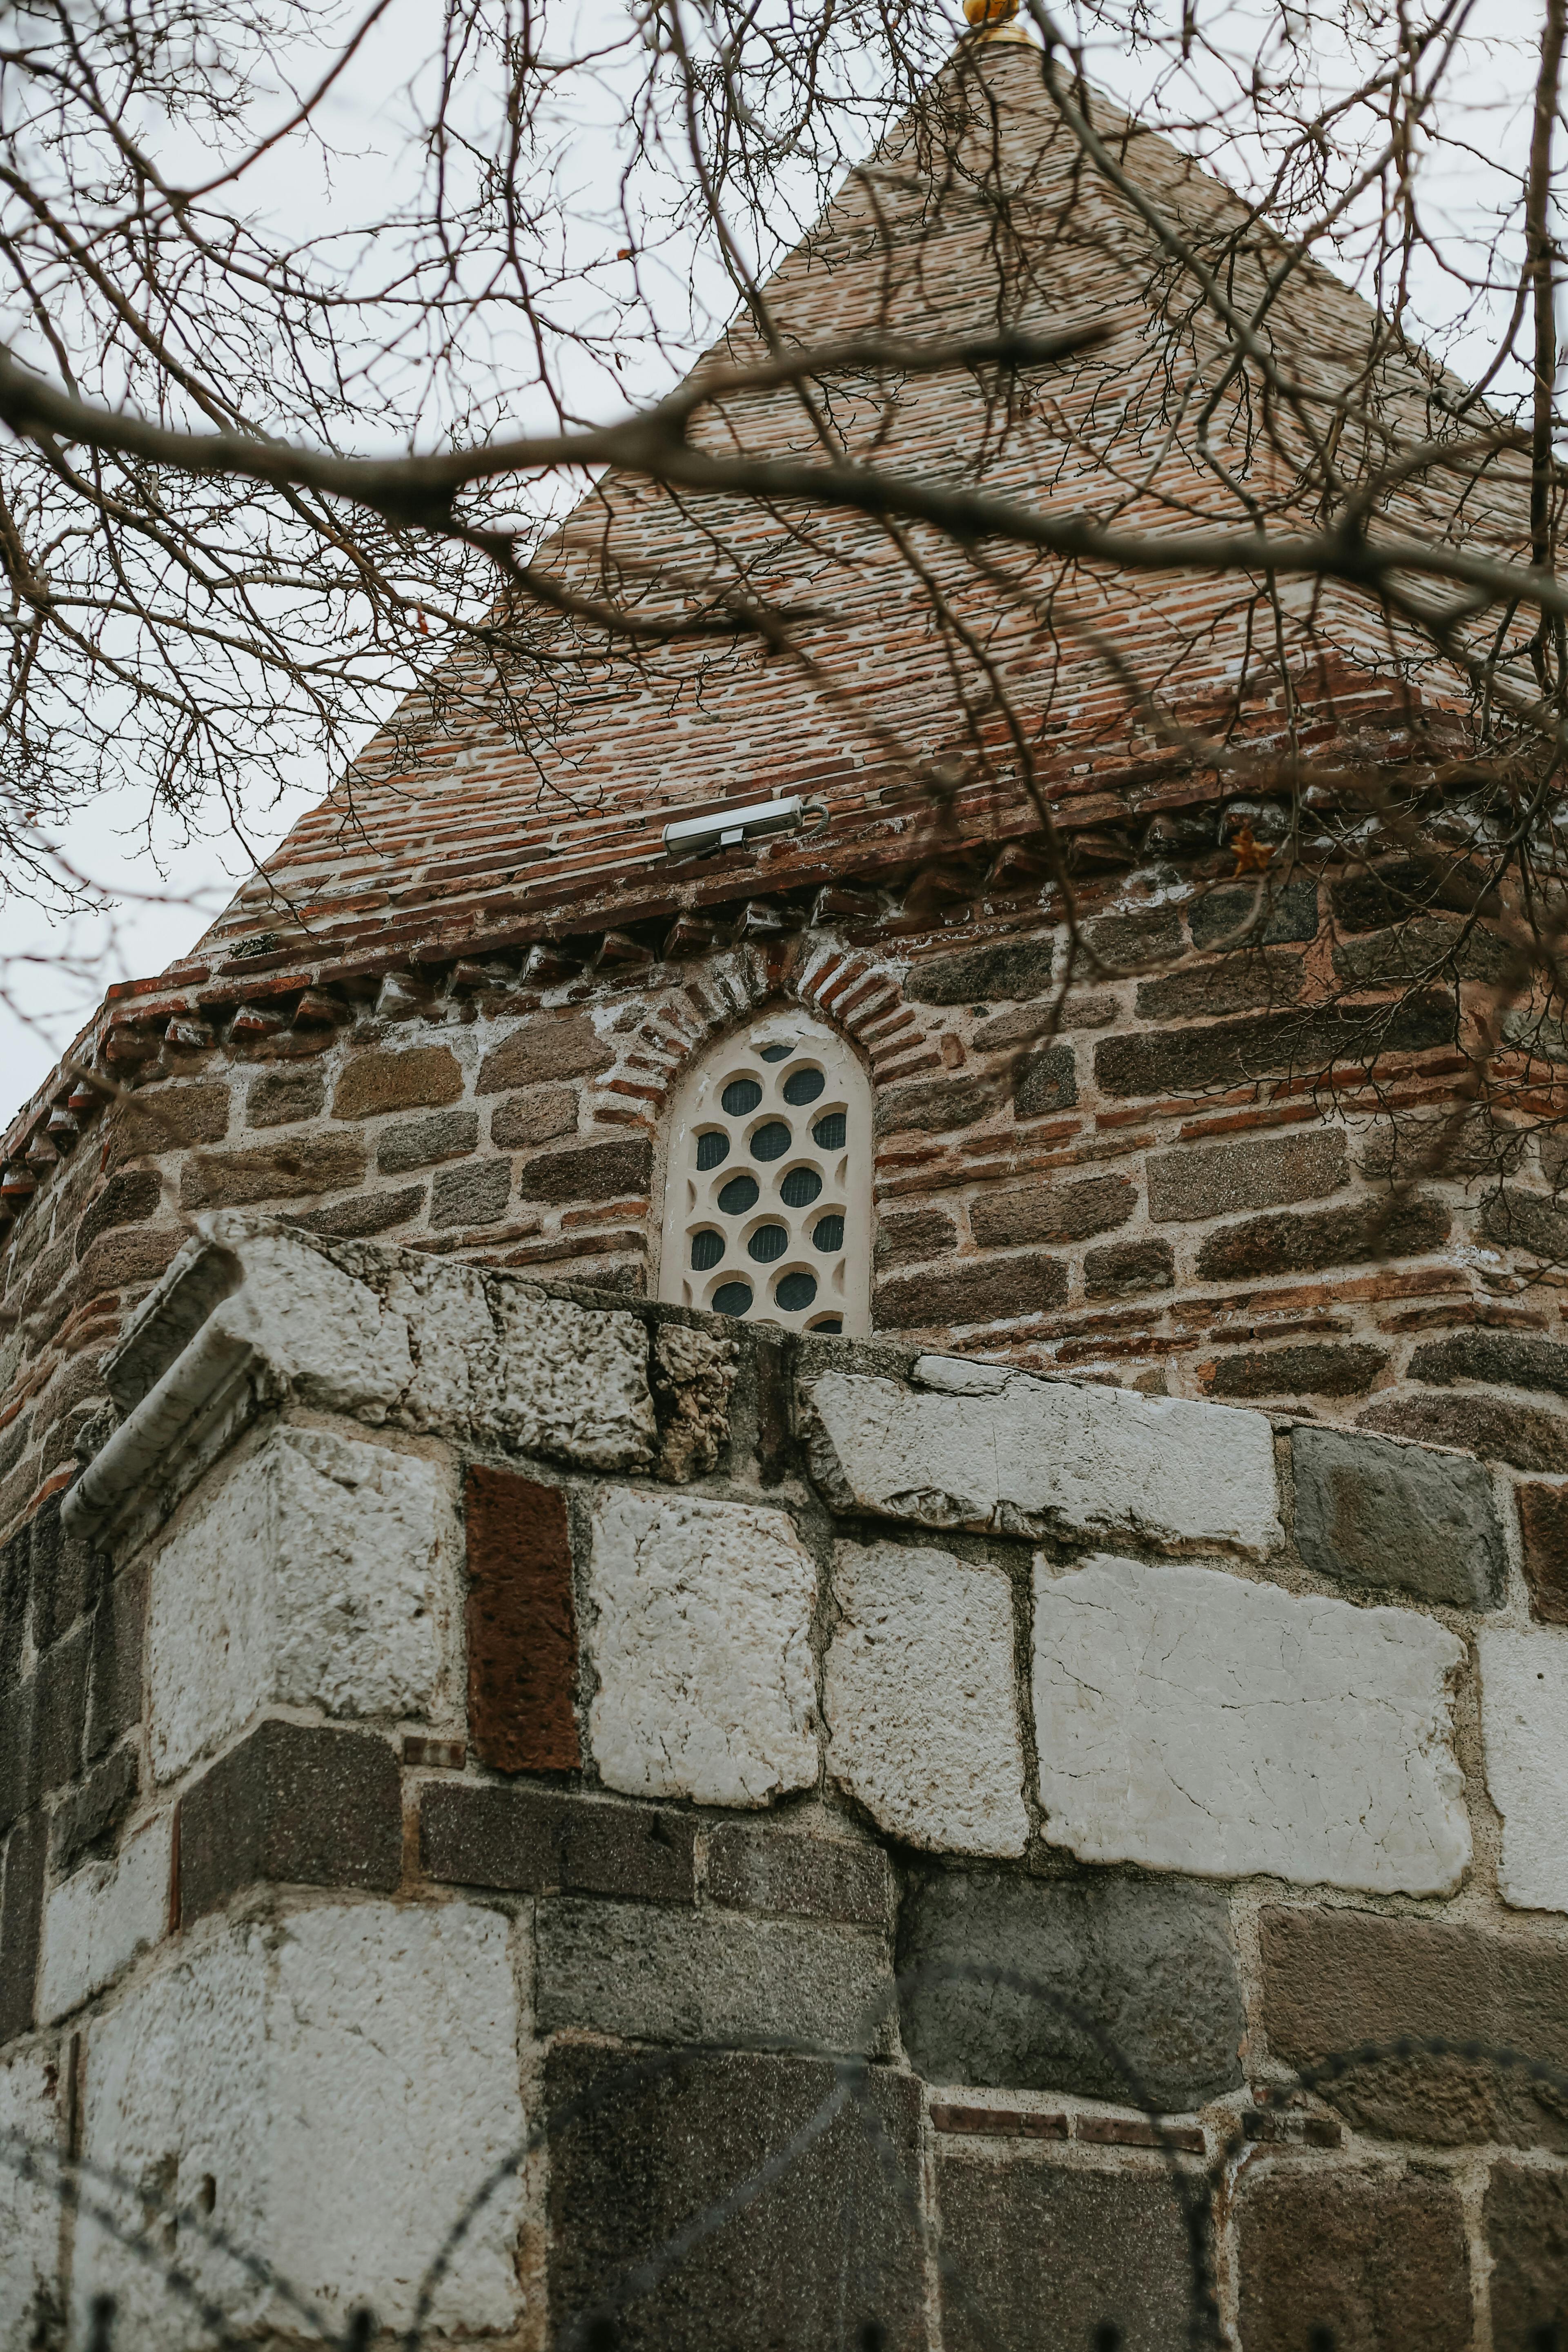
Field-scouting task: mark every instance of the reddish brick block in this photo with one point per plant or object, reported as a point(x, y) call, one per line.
point(523, 1635)
point(1544, 1523)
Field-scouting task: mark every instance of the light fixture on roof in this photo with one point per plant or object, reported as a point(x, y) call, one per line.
point(726, 826)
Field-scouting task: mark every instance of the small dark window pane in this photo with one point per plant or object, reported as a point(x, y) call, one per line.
point(796, 1291)
point(800, 1188)
point(738, 1195)
point(829, 1323)
point(706, 1249)
point(830, 1131)
point(827, 1234)
point(767, 1243)
point(778, 1052)
point(712, 1147)
point(803, 1086)
point(771, 1140)
point(740, 1096)
point(732, 1298)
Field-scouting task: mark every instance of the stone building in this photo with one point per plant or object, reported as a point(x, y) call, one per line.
point(656, 1503)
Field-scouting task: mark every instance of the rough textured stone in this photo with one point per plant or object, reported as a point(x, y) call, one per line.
point(1333, 1980)
point(114, 1695)
point(1543, 1524)
point(272, 1172)
point(1125, 1269)
point(1118, 2259)
point(1155, 934)
point(96, 1921)
point(320, 2160)
point(127, 1199)
point(21, 1921)
point(909, 1235)
point(1246, 983)
point(1217, 1179)
point(1511, 1359)
point(531, 1840)
point(975, 1290)
point(593, 1172)
point(64, 1576)
point(1361, 2261)
point(754, 1869)
point(996, 1971)
point(1016, 968)
point(368, 1213)
point(389, 1078)
point(1224, 1054)
point(554, 1045)
point(521, 1627)
point(653, 1975)
point(294, 1803)
point(1052, 1213)
point(1189, 1721)
point(1291, 913)
point(538, 1115)
point(321, 1573)
point(280, 1097)
point(936, 1105)
point(1313, 1369)
point(1045, 1082)
point(1370, 1512)
point(1524, 1220)
point(1317, 1239)
point(1403, 888)
point(920, 1700)
point(91, 1812)
point(827, 2250)
point(1524, 1720)
point(166, 1119)
point(693, 1374)
point(474, 1194)
point(1526, 2224)
point(1529, 1436)
point(1031, 1456)
point(1408, 1144)
point(701, 1614)
point(420, 1142)
point(115, 1261)
point(29, 2210)
point(1425, 947)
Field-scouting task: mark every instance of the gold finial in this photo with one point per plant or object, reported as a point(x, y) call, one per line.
point(993, 20)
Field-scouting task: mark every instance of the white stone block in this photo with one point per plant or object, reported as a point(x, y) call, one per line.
point(1188, 1720)
point(337, 2083)
point(97, 1921)
point(29, 2212)
point(699, 1633)
point(1029, 1457)
point(315, 1327)
point(921, 1699)
point(1524, 1726)
point(320, 1573)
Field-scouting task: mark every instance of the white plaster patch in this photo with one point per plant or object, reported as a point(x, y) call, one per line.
point(320, 1573)
point(700, 1635)
point(1191, 1721)
point(343, 2080)
point(921, 1699)
point(1525, 1725)
point(29, 2213)
point(98, 1919)
point(1035, 1456)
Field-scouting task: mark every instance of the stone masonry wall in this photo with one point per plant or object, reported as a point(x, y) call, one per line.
point(444, 1705)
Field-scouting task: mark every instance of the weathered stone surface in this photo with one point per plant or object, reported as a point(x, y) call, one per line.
point(693, 1375)
point(166, 1119)
point(1511, 1359)
point(397, 1079)
point(1526, 2224)
point(321, 2161)
point(701, 1614)
point(1249, 982)
point(1316, 1239)
point(127, 1199)
point(21, 1922)
point(29, 2210)
point(1524, 1720)
point(531, 1840)
point(936, 1105)
point(752, 1869)
point(64, 1575)
point(1288, 913)
point(827, 2250)
point(521, 1626)
point(921, 1699)
point(1018, 968)
point(1119, 2258)
point(1313, 1369)
point(280, 1097)
point(365, 1213)
point(1217, 1179)
point(1126, 1269)
point(1189, 1721)
point(1371, 1512)
point(909, 1235)
point(1153, 934)
point(1426, 947)
point(1409, 1144)
point(474, 1194)
point(320, 1573)
point(114, 1697)
point(1052, 1213)
point(975, 1290)
point(553, 1045)
point(117, 1260)
point(1001, 1977)
point(1543, 1524)
point(88, 1816)
point(1224, 1054)
point(590, 1172)
point(293, 1803)
point(1361, 2261)
point(1333, 1980)
point(1045, 1082)
point(1529, 1436)
point(1034, 1455)
point(1517, 1219)
point(288, 1171)
point(97, 1921)
point(653, 1975)
point(536, 1116)
point(1404, 887)
point(420, 1142)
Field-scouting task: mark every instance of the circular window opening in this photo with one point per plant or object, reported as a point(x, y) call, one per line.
point(796, 1291)
point(712, 1147)
point(706, 1249)
point(778, 1052)
point(738, 1195)
point(772, 1140)
point(740, 1096)
point(830, 1131)
point(827, 1234)
point(732, 1298)
point(768, 1243)
point(800, 1188)
point(802, 1087)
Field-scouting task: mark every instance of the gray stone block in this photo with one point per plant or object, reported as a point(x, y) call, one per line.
point(1371, 1512)
point(711, 1976)
point(418, 1143)
point(1527, 2237)
point(1353, 2259)
point(810, 1877)
point(1117, 1988)
point(475, 1193)
point(1264, 1172)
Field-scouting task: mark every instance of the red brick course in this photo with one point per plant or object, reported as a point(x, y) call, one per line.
point(521, 1625)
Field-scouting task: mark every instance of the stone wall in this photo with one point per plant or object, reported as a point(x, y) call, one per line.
point(902, 1808)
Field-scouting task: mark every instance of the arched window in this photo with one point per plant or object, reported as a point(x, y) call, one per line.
point(767, 1185)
